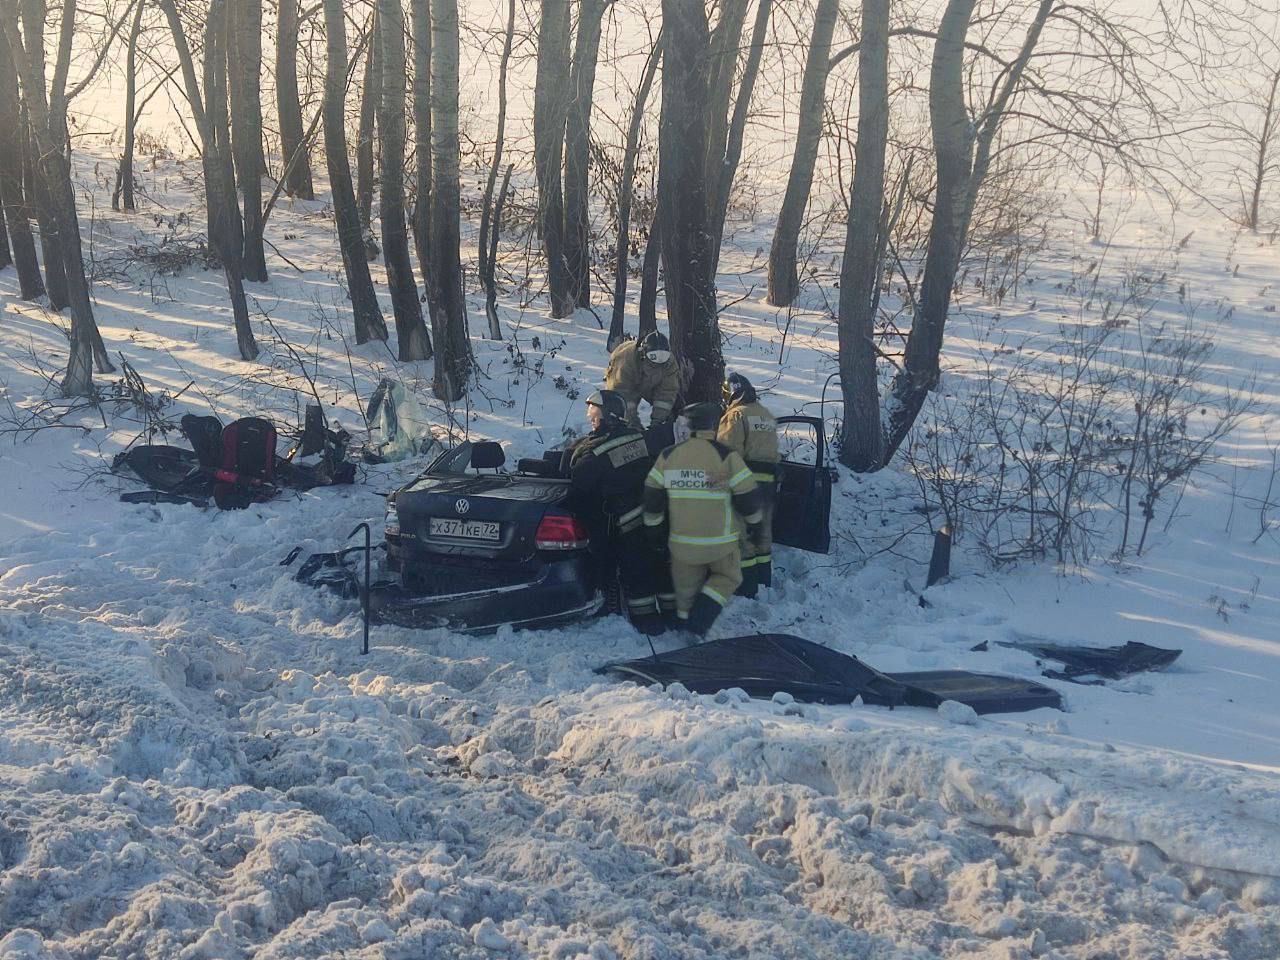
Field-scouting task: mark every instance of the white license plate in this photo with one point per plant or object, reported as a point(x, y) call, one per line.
point(465, 529)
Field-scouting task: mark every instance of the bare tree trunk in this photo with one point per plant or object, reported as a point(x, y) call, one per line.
point(124, 176)
point(963, 154)
point(32, 68)
point(683, 201)
point(784, 284)
point(55, 279)
point(722, 54)
point(489, 217)
point(420, 11)
point(47, 116)
point(720, 182)
point(16, 210)
point(622, 249)
point(862, 436)
point(550, 110)
point(413, 341)
point(244, 62)
point(453, 358)
point(953, 152)
point(6, 255)
point(289, 104)
point(1263, 165)
point(649, 278)
point(226, 231)
point(370, 97)
point(577, 206)
point(366, 313)
point(489, 257)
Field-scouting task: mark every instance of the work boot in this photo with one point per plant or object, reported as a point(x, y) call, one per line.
point(764, 573)
point(702, 615)
point(650, 624)
point(750, 583)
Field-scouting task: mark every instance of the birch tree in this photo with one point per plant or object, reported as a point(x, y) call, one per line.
point(209, 108)
point(550, 114)
point(453, 355)
point(783, 281)
point(17, 211)
point(46, 109)
point(298, 181)
point(491, 211)
point(366, 313)
point(122, 197)
point(244, 73)
point(622, 248)
point(577, 150)
point(862, 438)
point(413, 341)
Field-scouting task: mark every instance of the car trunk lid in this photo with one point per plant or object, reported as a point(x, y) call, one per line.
point(488, 515)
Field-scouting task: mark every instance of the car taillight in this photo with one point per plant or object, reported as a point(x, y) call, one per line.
point(560, 532)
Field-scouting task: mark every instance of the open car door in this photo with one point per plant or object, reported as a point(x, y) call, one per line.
point(802, 513)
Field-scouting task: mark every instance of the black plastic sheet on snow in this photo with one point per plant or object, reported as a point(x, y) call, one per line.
point(765, 664)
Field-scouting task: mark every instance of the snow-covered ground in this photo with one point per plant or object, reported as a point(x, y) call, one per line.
point(196, 762)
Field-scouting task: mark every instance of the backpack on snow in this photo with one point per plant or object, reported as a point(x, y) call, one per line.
point(246, 472)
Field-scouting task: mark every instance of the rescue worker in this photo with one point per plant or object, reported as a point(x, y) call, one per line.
point(607, 470)
point(645, 370)
point(748, 428)
point(696, 499)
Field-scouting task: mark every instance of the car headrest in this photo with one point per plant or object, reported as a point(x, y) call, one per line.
point(487, 455)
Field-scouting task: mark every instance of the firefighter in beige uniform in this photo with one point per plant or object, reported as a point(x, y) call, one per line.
point(703, 492)
point(749, 429)
point(645, 370)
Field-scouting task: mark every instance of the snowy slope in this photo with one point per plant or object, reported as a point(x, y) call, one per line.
point(195, 762)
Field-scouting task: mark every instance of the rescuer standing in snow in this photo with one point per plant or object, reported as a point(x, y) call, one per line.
point(645, 370)
point(607, 469)
point(749, 429)
point(696, 499)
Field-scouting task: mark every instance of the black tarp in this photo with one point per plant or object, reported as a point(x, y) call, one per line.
point(765, 664)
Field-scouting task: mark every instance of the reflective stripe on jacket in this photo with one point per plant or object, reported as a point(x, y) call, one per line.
point(700, 488)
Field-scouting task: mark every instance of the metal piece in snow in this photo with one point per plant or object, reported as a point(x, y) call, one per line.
point(1110, 663)
point(364, 590)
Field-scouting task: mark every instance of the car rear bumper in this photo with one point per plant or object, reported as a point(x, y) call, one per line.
point(562, 592)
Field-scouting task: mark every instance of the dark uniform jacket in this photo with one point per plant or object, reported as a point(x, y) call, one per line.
point(607, 469)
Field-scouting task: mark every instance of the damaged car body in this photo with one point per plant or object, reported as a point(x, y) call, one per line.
point(473, 546)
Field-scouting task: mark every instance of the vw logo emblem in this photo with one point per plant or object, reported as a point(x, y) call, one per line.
point(462, 506)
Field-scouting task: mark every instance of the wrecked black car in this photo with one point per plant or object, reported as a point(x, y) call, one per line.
point(473, 546)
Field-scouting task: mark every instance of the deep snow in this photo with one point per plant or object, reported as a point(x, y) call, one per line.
point(195, 762)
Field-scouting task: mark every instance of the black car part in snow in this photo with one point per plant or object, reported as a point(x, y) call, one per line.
point(473, 547)
point(765, 664)
point(1101, 663)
